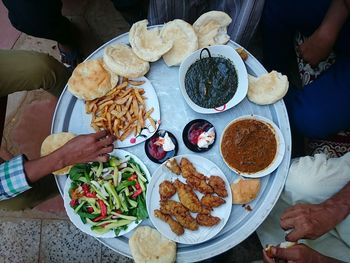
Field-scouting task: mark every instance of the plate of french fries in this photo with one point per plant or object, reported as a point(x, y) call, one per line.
point(130, 111)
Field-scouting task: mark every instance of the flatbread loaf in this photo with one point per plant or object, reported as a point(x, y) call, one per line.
point(52, 143)
point(267, 88)
point(148, 44)
point(147, 245)
point(211, 28)
point(120, 58)
point(245, 190)
point(90, 80)
point(185, 41)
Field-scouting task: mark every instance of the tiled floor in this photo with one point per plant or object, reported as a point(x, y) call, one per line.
point(40, 235)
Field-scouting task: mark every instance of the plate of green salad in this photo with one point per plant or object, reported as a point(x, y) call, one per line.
point(107, 199)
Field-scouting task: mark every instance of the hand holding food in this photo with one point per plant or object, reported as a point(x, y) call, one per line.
point(299, 253)
point(88, 148)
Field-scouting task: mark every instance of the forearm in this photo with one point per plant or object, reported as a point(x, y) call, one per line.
point(39, 168)
point(340, 202)
point(335, 18)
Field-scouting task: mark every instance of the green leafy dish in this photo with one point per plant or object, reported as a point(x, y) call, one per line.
point(107, 199)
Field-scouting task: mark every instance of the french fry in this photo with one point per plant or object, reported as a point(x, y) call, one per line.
point(135, 106)
point(148, 113)
point(136, 82)
point(122, 100)
point(152, 122)
point(138, 96)
point(121, 111)
point(126, 133)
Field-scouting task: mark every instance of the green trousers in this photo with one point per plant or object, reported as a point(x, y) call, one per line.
point(40, 191)
point(29, 70)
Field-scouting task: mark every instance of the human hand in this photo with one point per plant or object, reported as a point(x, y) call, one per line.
point(317, 47)
point(296, 254)
point(87, 148)
point(309, 221)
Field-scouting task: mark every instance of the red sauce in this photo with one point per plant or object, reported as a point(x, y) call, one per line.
point(155, 150)
point(249, 146)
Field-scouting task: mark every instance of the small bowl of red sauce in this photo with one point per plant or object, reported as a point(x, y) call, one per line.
point(161, 146)
point(199, 135)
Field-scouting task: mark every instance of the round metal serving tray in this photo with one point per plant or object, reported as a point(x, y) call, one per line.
point(175, 114)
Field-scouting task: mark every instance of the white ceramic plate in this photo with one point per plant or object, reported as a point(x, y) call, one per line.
point(203, 233)
point(217, 51)
point(131, 140)
point(86, 228)
point(281, 147)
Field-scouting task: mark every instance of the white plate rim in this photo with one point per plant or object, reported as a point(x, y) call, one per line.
point(242, 79)
point(75, 219)
point(280, 147)
point(156, 222)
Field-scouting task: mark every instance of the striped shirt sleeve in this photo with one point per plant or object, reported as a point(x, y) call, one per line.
point(12, 178)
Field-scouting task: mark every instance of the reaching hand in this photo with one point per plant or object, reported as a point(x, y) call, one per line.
point(296, 254)
point(88, 148)
point(309, 221)
point(316, 48)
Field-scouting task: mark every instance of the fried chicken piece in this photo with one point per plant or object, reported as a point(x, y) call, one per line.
point(212, 200)
point(172, 165)
point(188, 198)
point(218, 185)
point(181, 213)
point(207, 220)
point(199, 185)
point(188, 169)
point(166, 190)
point(174, 225)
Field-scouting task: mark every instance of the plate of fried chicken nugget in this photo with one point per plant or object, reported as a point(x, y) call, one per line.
point(189, 199)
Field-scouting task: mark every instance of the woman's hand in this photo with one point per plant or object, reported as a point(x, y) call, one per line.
point(317, 47)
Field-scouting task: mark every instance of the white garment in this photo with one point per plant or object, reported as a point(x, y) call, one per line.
point(312, 180)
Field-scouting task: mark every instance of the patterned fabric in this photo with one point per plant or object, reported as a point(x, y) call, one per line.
point(12, 178)
point(333, 146)
point(245, 14)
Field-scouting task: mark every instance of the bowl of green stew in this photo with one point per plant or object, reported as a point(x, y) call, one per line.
point(213, 79)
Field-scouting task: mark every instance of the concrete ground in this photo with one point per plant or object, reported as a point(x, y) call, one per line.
point(44, 234)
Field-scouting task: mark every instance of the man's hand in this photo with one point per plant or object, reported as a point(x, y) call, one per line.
point(296, 254)
point(87, 148)
point(317, 47)
point(309, 221)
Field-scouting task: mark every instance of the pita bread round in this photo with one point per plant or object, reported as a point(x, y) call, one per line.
point(148, 44)
point(147, 245)
point(90, 80)
point(120, 58)
point(211, 28)
point(245, 190)
point(267, 88)
point(52, 143)
point(185, 41)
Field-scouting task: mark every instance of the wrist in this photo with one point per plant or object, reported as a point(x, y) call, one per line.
point(338, 207)
point(59, 159)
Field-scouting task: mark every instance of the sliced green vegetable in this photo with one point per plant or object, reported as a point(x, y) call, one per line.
point(111, 190)
point(79, 207)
